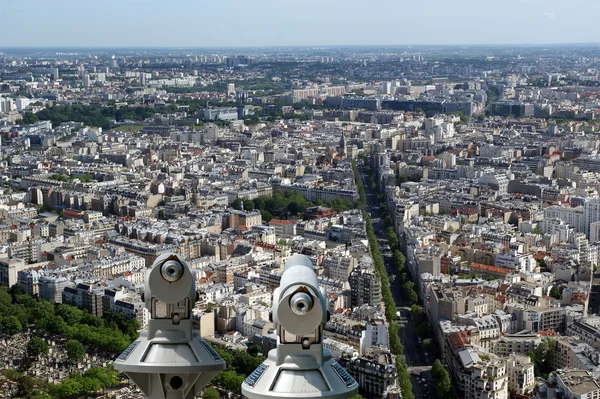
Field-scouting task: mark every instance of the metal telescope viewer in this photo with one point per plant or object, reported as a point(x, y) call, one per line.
point(171, 361)
point(299, 367)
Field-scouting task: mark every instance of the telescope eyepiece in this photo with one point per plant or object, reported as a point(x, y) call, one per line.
point(301, 303)
point(171, 271)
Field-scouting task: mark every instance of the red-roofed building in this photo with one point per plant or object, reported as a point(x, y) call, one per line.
point(489, 270)
point(318, 212)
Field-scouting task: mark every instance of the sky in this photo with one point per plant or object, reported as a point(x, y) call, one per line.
point(236, 23)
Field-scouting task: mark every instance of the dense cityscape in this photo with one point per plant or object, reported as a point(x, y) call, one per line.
point(447, 196)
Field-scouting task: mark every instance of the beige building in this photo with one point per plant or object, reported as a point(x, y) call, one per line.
point(521, 379)
point(520, 343)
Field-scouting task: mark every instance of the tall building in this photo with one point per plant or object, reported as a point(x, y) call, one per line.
point(343, 150)
point(142, 79)
point(594, 232)
point(55, 73)
point(231, 89)
point(386, 88)
point(87, 81)
point(365, 286)
point(592, 214)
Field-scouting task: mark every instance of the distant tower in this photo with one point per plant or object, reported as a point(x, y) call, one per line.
point(87, 81)
point(142, 79)
point(342, 151)
point(231, 89)
point(55, 73)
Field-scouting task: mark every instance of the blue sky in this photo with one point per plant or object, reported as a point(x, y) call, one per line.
point(214, 23)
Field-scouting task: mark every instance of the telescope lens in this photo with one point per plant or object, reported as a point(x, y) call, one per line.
point(301, 303)
point(171, 271)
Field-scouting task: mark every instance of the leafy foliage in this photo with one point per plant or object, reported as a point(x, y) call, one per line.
point(439, 372)
point(98, 117)
point(109, 334)
point(282, 205)
point(230, 381)
point(28, 119)
point(543, 357)
point(93, 380)
point(10, 325)
point(37, 346)
point(239, 365)
point(210, 393)
point(75, 350)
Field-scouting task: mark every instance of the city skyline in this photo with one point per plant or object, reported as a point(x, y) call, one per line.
point(147, 23)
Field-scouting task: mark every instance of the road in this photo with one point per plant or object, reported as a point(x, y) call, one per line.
point(417, 359)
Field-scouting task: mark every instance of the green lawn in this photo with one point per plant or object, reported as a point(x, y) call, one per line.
point(129, 128)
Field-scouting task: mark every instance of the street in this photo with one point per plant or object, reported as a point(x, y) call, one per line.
point(417, 359)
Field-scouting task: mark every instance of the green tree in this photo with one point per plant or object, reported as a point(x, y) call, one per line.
point(411, 295)
point(68, 388)
point(555, 292)
point(392, 238)
point(27, 386)
point(70, 314)
point(75, 350)
point(248, 205)
point(107, 377)
point(210, 393)
point(39, 395)
point(28, 119)
point(395, 343)
point(236, 204)
point(229, 380)
point(37, 346)
point(543, 357)
point(445, 387)
point(255, 350)
point(10, 325)
point(416, 312)
point(437, 369)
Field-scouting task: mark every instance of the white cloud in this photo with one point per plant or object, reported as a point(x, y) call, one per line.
point(549, 15)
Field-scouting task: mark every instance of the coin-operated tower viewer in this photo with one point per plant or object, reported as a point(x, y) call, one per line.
point(299, 367)
point(170, 360)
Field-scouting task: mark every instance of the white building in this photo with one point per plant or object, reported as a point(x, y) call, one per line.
point(592, 214)
point(574, 217)
point(521, 379)
point(483, 379)
point(496, 182)
point(375, 334)
point(595, 232)
point(230, 89)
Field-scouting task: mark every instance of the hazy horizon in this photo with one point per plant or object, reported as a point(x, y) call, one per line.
point(283, 23)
